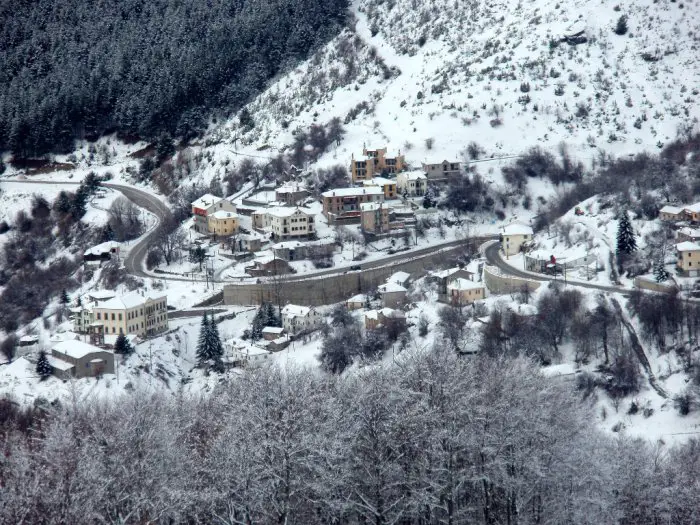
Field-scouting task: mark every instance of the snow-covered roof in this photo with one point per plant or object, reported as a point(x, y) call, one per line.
point(101, 295)
point(413, 175)
point(693, 233)
point(206, 201)
point(59, 364)
point(675, 210)
point(290, 188)
point(372, 314)
point(378, 181)
point(443, 274)
point(359, 298)
point(223, 214)
point(399, 277)
point(293, 310)
point(284, 211)
point(288, 245)
point(105, 247)
point(370, 206)
point(272, 330)
point(390, 312)
point(29, 339)
point(76, 349)
point(130, 300)
point(695, 208)
point(352, 192)
point(517, 229)
point(464, 284)
point(391, 288)
point(687, 246)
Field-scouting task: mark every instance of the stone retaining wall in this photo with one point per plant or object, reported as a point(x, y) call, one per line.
point(498, 283)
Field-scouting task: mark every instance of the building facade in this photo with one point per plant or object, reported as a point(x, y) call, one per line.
point(206, 205)
point(412, 183)
point(285, 223)
point(374, 217)
point(222, 223)
point(671, 213)
point(375, 162)
point(299, 319)
point(132, 314)
point(514, 236)
point(442, 170)
point(75, 359)
point(344, 203)
point(461, 292)
point(688, 258)
point(387, 185)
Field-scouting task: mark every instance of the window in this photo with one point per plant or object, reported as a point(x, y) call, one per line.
point(120, 317)
point(112, 316)
point(99, 316)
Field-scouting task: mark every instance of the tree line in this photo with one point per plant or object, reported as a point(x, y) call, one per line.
point(73, 71)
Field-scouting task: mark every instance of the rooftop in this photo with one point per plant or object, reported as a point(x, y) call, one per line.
point(399, 277)
point(517, 229)
point(287, 245)
point(378, 181)
point(688, 246)
point(671, 209)
point(59, 364)
point(370, 206)
point(353, 192)
point(206, 201)
point(464, 284)
point(693, 207)
point(105, 247)
point(359, 298)
point(130, 300)
point(284, 211)
point(76, 349)
point(293, 310)
point(223, 214)
point(272, 330)
point(414, 175)
point(391, 288)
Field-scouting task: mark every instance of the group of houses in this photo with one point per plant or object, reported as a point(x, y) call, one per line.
point(688, 237)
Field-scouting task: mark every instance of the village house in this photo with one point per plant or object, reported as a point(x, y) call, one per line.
point(132, 313)
point(270, 333)
point(671, 213)
point(297, 251)
point(375, 162)
point(245, 355)
point(688, 234)
point(206, 205)
point(223, 223)
point(103, 252)
point(688, 258)
point(356, 302)
point(249, 242)
point(444, 277)
point(441, 170)
point(692, 212)
point(268, 265)
point(300, 319)
point(387, 185)
point(412, 183)
point(75, 359)
point(392, 294)
point(291, 194)
point(284, 223)
point(343, 204)
point(514, 237)
point(374, 217)
point(461, 291)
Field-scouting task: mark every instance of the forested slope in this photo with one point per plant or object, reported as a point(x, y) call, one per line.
point(73, 69)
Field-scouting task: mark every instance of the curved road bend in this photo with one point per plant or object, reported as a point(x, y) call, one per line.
point(493, 256)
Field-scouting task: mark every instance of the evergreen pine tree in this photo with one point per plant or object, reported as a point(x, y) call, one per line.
point(271, 317)
point(64, 299)
point(123, 346)
point(258, 323)
point(217, 348)
point(79, 204)
point(626, 241)
point(660, 272)
point(107, 233)
point(202, 342)
point(43, 368)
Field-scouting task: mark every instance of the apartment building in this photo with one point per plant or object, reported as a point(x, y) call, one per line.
point(442, 170)
point(374, 217)
point(344, 203)
point(132, 313)
point(375, 162)
point(205, 206)
point(412, 183)
point(222, 223)
point(284, 223)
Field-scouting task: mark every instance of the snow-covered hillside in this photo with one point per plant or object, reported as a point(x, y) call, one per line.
point(497, 73)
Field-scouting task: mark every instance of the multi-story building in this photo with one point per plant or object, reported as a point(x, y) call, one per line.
point(206, 205)
point(344, 203)
point(388, 185)
point(688, 258)
point(442, 170)
point(300, 319)
point(412, 183)
point(284, 223)
point(222, 223)
point(514, 236)
point(291, 194)
point(461, 291)
point(374, 217)
point(132, 313)
point(375, 162)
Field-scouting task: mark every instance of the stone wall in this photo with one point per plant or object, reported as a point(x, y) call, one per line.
point(499, 283)
point(334, 288)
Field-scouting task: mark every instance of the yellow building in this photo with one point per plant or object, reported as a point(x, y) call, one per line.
point(132, 313)
point(688, 258)
point(387, 185)
point(222, 223)
point(514, 236)
point(463, 291)
point(375, 162)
